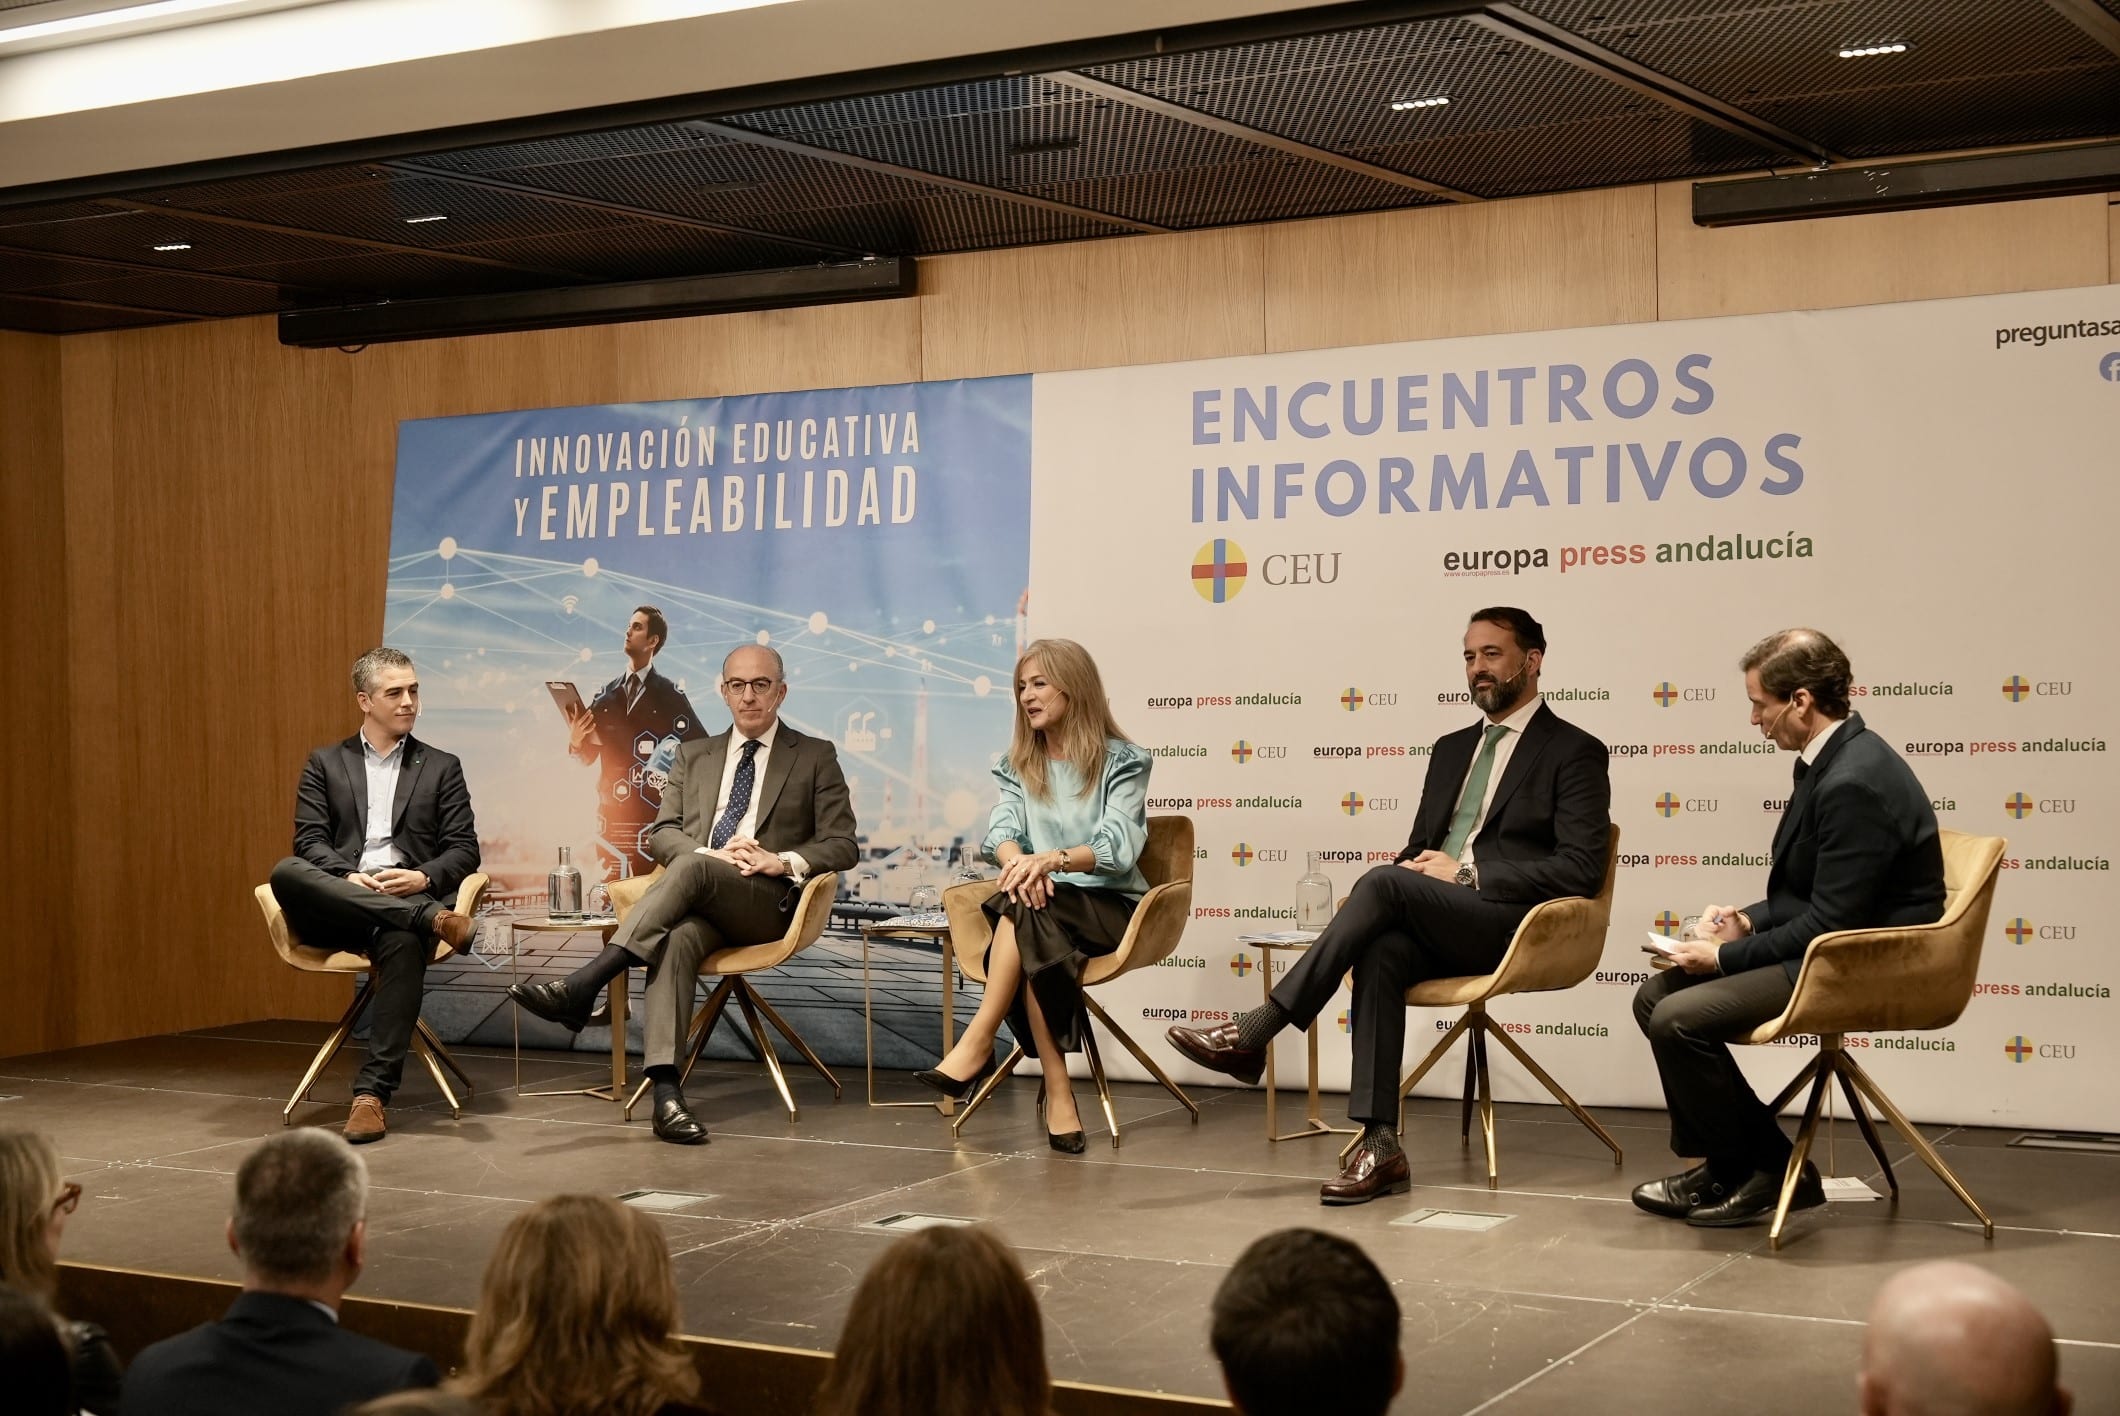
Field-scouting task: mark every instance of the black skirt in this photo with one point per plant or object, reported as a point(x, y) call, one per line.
point(1076, 925)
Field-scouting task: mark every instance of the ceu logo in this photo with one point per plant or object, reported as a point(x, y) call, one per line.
point(1242, 855)
point(2018, 1049)
point(1352, 699)
point(1344, 1024)
point(1666, 924)
point(2018, 806)
point(1240, 752)
point(2109, 367)
point(1218, 570)
point(2018, 929)
point(2015, 689)
point(1240, 964)
point(1667, 806)
point(1352, 803)
point(1665, 695)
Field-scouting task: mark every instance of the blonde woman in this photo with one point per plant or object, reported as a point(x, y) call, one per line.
point(1067, 835)
point(575, 1318)
point(36, 1200)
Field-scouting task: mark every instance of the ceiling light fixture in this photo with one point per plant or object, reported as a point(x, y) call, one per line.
point(431, 216)
point(174, 246)
point(1401, 105)
point(1871, 51)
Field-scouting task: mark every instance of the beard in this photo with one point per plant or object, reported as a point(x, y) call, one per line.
point(1493, 698)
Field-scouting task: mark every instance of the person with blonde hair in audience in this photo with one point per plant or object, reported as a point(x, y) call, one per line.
point(943, 1324)
point(36, 1200)
point(576, 1317)
point(1949, 1339)
point(426, 1401)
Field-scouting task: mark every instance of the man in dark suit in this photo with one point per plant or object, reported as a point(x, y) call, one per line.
point(1515, 810)
point(301, 1233)
point(748, 815)
point(620, 730)
point(383, 836)
point(1857, 848)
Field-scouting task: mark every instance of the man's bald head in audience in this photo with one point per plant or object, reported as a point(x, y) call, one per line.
point(1949, 1339)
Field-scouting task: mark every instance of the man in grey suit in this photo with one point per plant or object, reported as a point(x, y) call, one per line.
point(748, 815)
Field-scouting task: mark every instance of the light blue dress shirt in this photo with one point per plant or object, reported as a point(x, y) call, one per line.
point(377, 852)
point(1112, 819)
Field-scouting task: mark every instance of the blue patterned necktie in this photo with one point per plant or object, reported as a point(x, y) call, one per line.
point(739, 796)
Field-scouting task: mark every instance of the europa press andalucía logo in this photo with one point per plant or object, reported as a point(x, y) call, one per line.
point(1219, 570)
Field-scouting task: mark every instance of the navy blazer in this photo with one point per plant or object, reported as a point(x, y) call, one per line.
point(662, 711)
point(1857, 849)
point(430, 821)
point(271, 1355)
point(1551, 818)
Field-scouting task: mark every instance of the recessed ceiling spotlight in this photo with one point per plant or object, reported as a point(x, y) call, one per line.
point(1871, 51)
point(431, 216)
point(174, 246)
point(1400, 105)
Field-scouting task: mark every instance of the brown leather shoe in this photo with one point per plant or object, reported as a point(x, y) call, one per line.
point(455, 930)
point(1367, 1176)
point(1216, 1049)
point(365, 1124)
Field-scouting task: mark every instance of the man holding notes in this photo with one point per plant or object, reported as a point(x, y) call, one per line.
point(1857, 848)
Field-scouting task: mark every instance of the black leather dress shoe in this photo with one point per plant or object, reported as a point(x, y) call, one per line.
point(1068, 1142)
point(1676, 1196)
point(1755, 1199)
point(1367, 1176)
point(675, 1123)
point(1216, 1049)
point(552, 1002)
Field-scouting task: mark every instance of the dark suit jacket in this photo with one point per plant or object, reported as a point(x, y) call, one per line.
point(272, 1355)
point(803, 804)
point(430, 822)
point(663, 711)
point(1547, 827)
point(1857, 849)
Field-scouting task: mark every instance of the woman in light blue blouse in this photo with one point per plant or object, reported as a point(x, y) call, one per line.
point(1067, 835)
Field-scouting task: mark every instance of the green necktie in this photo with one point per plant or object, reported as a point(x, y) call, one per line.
point(1475, 794)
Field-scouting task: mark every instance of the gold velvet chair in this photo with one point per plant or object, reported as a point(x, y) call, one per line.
point(1556, 946)
point(813, 910)
point(295, 954)
point(1151, 936)
point(1886, 980)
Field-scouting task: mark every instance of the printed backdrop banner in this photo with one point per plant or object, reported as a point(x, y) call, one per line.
point(1274, 559)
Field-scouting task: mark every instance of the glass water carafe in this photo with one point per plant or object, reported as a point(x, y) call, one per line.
point(563, 887)
point(1313, 896)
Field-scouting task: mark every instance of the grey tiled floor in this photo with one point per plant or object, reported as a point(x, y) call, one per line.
point(1577, 1303)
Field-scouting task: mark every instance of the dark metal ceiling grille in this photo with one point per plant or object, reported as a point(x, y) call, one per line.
point(577, 147)
point(1976, 72)
point(387, 274)
point(132, 236)
point(378, 204)
point(643, 251)
point(179, 293)
point(42, 317)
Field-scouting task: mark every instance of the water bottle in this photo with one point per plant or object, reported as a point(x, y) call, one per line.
point(563, 887)
point(1313, 896)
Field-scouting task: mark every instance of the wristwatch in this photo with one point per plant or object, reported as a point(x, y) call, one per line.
point(1469, 874)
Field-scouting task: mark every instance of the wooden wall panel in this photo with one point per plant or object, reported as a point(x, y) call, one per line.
point(1874, 260)
point(36, 739)
point(1093, 304)
point(1585, 258)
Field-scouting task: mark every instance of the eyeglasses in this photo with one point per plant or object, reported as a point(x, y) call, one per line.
point(69, 1199)
point(754, 688)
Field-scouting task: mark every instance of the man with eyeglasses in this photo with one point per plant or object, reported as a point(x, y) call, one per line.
point(747, 816)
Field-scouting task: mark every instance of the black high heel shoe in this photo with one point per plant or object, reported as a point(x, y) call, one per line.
point(1068, 1142)
point(949, 1086)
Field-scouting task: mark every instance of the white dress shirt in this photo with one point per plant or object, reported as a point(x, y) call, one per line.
point(377, 852)
point(1817, 744)
point(1516, 722)
point(798, 868)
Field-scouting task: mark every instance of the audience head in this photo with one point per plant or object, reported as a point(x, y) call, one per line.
point(575, 1316)
point(1061, 711)
point(1949, 1339)
point(300, 1222)
point(35, 1201)
point(1305, 1322)
point(1797, 681)
point(943, 1324)
point(34, 1363)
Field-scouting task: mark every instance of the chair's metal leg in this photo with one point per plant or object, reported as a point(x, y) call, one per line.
point(793, 1037)
point(986, 1089)
point(1920, 1143)
point(1096, 1071)
point(1143, 1058)
point(1797, 1157)
point(1795, 1085)
point(1558, 1094)
point(1413, 1079)
point(1479, 1047)
point(441, 1079)
point(1472, 1077)
point(329, 1050)
point(703, 1024)
point(765, 1050)
point(1869, 1129)
point(441, 1050)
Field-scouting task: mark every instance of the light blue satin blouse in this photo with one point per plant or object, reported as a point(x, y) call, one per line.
point(1112, 819)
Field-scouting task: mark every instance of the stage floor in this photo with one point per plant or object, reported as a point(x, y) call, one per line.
point(1574, 1303)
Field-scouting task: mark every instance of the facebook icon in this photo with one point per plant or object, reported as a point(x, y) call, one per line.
point(2110, 367)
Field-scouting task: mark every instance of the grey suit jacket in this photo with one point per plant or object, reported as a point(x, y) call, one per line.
point(803, 805)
